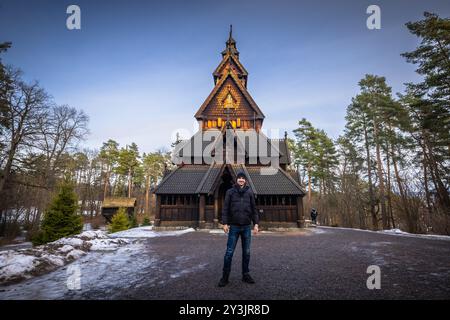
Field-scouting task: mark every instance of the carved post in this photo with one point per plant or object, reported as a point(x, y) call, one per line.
point(158, 211)
point(216, 210)
point(201, 212)
point(300, 213)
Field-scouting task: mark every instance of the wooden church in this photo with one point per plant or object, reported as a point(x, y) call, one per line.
point(193, 193)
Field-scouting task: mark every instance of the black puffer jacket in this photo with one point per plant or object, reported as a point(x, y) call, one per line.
point(239, 207)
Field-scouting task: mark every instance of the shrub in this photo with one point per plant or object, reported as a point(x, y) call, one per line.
point(133, 222)
point(119, 221)
point(146, 222)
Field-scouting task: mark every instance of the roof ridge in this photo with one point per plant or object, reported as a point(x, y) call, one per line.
point(222, 166)
point(202, 182)
point(249, 179)
point(224, 60)
point(292, 180)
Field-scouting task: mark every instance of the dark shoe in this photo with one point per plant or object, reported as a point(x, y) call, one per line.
point(246, 278)
point(223, 281)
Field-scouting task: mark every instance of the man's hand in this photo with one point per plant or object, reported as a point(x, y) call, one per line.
point(256, 229)
point(226, 228)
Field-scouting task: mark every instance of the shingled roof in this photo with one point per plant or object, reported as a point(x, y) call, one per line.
point(200, 179)
point(182, 180)
point(258, 113)
point(279, 183)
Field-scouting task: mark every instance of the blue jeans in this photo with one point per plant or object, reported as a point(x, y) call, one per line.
point(233, 236)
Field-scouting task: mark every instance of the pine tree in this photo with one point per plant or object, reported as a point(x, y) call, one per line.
point(128, 164)
point(305, 135)
point(428, 101)
point(61, 219)
point(109, 154)
point(119, 221)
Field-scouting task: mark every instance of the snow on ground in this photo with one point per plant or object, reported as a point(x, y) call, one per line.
point(106, 273)
point(17, 265)
point(394, 232)
point(147, 232)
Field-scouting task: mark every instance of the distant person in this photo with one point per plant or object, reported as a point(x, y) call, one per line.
point(314, 215)
point(239, 211)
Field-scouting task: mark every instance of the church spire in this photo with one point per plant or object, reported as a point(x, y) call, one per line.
point(230, 45)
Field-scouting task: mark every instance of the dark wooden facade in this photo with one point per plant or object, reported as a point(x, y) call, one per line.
point(193, 193)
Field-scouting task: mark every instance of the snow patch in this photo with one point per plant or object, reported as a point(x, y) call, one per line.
point(73, 242)
point(14, 265)
point(395, 232)
point(20, 264)
point(54, 259)
point(66, 248)
point(106, 244)
point(75, 254)
point(147, 232)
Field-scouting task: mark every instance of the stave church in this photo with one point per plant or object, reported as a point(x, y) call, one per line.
point(230, 139)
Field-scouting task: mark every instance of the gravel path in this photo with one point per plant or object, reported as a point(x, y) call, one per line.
point(321, 263)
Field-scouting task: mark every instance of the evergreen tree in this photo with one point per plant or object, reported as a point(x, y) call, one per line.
point(153, 169)
point(61, 219)
point(109, 154)
point(428, 101)
point(133, 222)
point(305, 136)
point(146, 222)
point(119, 221)
point(128, 165)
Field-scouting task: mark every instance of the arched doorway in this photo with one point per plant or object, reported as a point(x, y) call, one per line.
point(226, 183)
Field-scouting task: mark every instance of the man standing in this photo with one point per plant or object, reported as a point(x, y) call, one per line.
point(239, 211)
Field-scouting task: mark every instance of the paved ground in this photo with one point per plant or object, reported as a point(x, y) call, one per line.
point(321, 264)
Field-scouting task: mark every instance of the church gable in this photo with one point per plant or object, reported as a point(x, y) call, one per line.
point(229, 97)
point(230, 63)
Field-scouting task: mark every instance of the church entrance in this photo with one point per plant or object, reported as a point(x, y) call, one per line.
point(226, 183)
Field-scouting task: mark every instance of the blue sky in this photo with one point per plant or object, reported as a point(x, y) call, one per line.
point(141, 69)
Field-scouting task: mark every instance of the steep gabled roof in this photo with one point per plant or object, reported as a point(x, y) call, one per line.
point(279, 183)
point(210, 178)
point(242, 89)
point(225, 60)
point(182, 180)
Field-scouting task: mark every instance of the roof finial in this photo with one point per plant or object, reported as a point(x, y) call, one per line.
point(230, 45)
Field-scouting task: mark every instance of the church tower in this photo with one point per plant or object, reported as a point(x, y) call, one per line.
point(229, 103)
point(192, 194)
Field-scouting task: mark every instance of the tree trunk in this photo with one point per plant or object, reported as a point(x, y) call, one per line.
point(147, 190)
point(384, 217)
point(7, 169)
point(129, 183)
point(389, 185)
point(427, 190)
point(369, 172)
point(309, 186)
point(105, 188)
point(402, 193)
